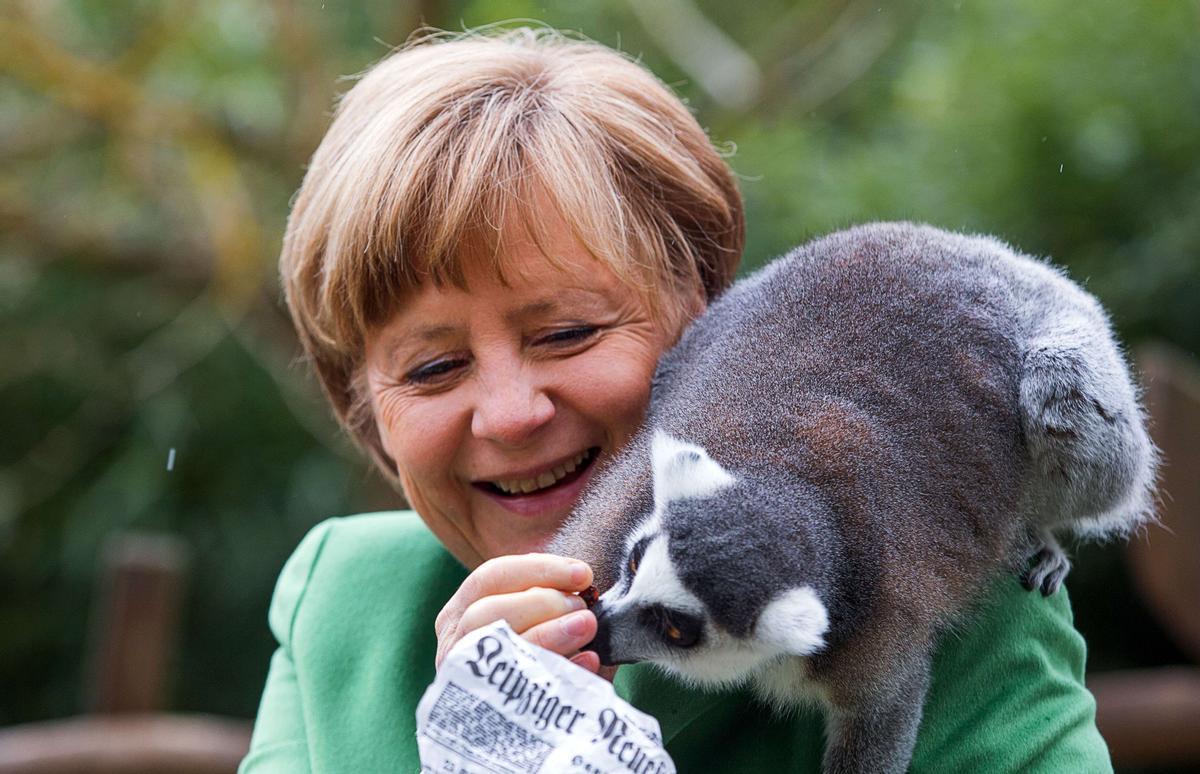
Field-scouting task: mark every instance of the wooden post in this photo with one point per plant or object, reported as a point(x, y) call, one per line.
point(134, 623)
point(125, 744)
point(1164, 559)
point(1151, 717)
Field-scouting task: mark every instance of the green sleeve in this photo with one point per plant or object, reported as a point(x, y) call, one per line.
point(353, 613)
point(280, 742)
point(1008, 693)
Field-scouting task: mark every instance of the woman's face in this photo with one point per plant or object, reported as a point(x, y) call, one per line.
point(495, 401)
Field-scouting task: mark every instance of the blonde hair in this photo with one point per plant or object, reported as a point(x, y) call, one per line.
point(437, 144)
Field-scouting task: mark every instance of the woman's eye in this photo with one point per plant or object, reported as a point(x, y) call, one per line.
point(569, 335)
point(435, 371)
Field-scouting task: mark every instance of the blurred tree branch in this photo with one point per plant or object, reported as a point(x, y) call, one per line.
point(155, 36)
point(83, 86)
point(306, 66)
point(259, 335)
point(229, 265)
point(848, 45)
point(96, 247)
point(140, 374)
point(167, 148)
point(702, 49)
point(815, 52)
point(111, 97)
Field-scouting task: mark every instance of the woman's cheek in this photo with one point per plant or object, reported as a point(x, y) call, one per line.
point(417, 429)
point(389, 407)
point(613, 382)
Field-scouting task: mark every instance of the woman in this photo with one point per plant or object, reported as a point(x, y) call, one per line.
point(494, 243)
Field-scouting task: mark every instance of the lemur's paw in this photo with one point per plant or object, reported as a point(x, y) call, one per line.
point(1048, 570)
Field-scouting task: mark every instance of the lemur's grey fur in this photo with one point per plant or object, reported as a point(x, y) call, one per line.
point(841, 452)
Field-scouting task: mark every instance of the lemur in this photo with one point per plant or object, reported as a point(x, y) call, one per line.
point(839, 457)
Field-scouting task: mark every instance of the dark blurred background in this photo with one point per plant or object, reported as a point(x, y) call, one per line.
point(149, 379)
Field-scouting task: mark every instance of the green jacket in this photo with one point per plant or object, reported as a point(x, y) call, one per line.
point(353, 613)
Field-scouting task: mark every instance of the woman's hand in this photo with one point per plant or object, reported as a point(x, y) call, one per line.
point(535, 593)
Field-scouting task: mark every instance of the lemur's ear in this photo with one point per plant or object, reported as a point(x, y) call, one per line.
point(795, 622)
point(683, 470)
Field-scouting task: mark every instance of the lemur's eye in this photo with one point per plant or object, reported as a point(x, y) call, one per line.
point(677, 629)
point(635, 556)
point(680, 634)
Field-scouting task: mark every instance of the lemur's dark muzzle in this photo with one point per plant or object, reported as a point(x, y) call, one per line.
point(602, 642)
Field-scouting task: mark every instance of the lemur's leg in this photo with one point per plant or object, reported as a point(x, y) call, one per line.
point(1049, 565)
point(878, 733)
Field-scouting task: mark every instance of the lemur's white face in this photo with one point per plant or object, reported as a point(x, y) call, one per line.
point(651, 615)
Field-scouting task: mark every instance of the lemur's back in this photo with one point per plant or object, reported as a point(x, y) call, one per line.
point(838, 454)
point(895, 361)
point(886, 372)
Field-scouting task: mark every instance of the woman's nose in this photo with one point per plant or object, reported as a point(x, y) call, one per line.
point(511, 410)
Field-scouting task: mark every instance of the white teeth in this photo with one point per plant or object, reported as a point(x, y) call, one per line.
point(549, 478)
point(570, 466)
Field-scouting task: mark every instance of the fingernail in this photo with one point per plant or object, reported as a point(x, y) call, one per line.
point(579, 573)
point(574, 602)
point(575, 624)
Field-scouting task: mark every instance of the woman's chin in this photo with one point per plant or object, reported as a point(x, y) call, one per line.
point(527, 541)
point(532, 546)
point(527, 534)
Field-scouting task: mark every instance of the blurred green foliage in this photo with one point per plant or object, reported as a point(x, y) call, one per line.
point(149, 149)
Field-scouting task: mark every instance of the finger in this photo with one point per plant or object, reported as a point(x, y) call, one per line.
point(521, 571)
point(522, 609)
point(564, 635)
point(588, 659)
point(508, 574)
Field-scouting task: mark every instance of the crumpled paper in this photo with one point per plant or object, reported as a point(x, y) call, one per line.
point(501, 704)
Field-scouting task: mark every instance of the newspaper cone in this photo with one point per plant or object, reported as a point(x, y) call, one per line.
point(500, 704)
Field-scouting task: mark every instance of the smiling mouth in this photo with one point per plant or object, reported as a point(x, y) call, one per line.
point(560, 476)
